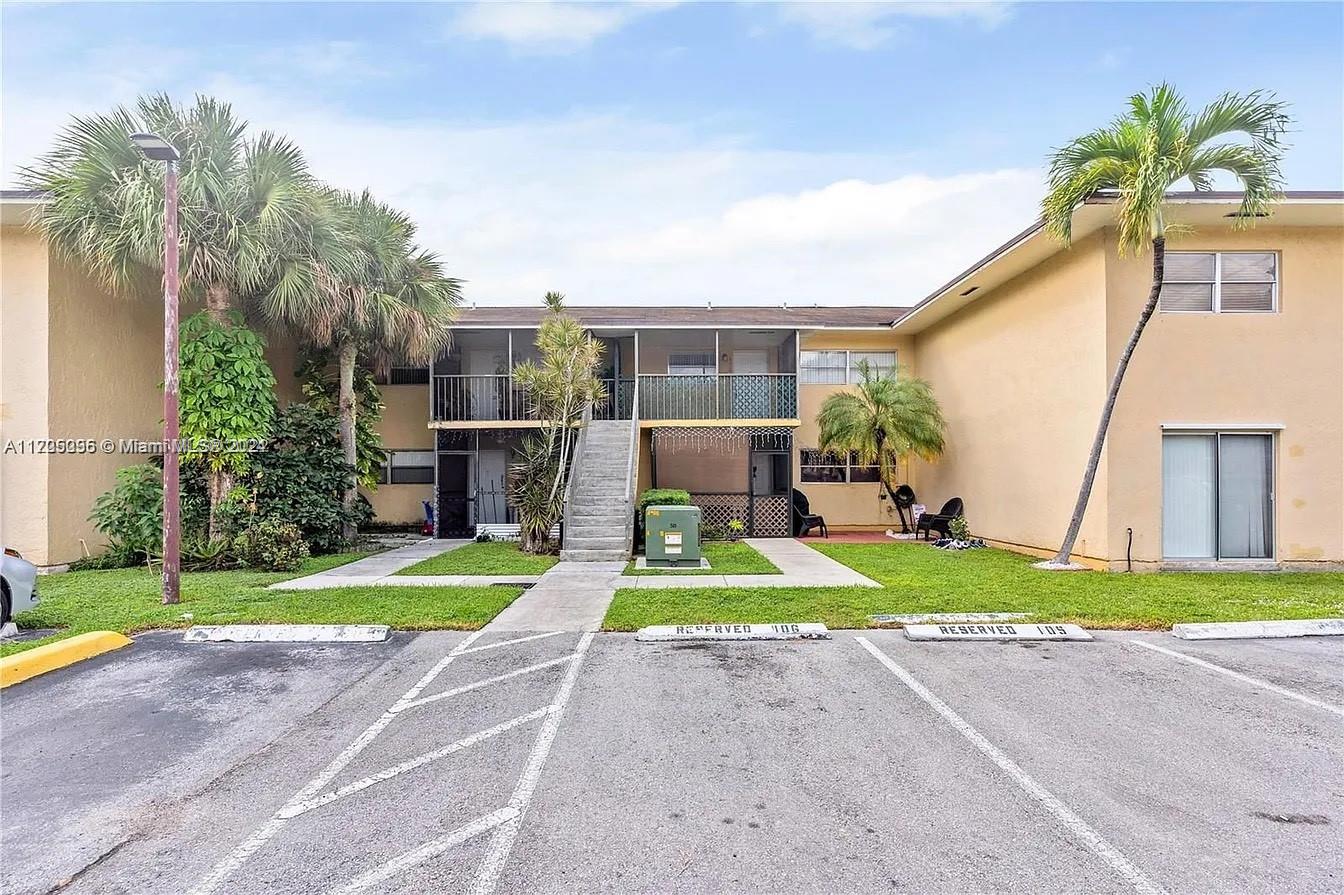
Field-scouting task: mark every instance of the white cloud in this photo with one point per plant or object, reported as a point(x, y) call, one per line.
point(546, 27)
point(864, 26)
point(614, 209)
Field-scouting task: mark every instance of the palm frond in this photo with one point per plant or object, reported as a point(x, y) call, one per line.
point(1158, 142)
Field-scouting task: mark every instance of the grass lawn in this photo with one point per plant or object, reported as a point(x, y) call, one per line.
point(918, 578)
point(127, 600)
point(725, 558)
point(483, 558)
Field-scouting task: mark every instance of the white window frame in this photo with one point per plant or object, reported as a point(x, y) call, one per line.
point(1273, 432)
point(1217, 306)
point(846, 464)
point(385, 471)
point(704, 352)
point(850, 373)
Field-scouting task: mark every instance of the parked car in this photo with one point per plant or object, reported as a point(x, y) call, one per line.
point(18, 585)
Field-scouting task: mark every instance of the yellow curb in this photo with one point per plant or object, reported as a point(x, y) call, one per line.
point(49, 657)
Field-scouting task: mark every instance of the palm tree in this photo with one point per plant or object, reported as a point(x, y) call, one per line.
point(245, 205)
point(1141, 155)
point(391, 302)
point(886, 420)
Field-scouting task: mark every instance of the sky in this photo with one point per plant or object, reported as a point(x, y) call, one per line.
point(680, 153)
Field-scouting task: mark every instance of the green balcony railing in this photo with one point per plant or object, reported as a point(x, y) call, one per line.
point(725, 396)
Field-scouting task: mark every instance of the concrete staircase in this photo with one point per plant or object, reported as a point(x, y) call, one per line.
point(598, 515)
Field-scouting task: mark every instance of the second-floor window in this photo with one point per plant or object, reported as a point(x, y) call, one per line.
point(691, 363)
point(837, 367)
point(1220, 282)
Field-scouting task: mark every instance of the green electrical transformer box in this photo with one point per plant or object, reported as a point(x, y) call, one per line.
point(672, 536)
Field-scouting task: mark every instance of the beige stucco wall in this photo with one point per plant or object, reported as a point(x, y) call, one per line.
point(106, 364)
point(1284, 368)
point(23, 391)
point(78, 363)
point(1020, 374)
point(404, 426)
point(860, 505)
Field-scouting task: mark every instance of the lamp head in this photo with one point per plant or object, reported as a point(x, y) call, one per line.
point(155, 147)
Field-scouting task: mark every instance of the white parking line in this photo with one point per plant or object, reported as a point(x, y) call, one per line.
point(1245, 679)
point(498, 644)
point(482, 824)
point(1071, 821)
point(249, 846)
point(506, 820)
point(502, 840)
point(467, 688)
point(419, 761)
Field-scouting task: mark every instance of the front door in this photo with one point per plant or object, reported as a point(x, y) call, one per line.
point(454, 495)
point(750, 387)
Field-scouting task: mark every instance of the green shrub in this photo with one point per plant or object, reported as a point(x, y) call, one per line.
point(272, 544)
point(204, 555)
point(663, 497)
point(301, 477)
point(959, 529)
point(130, 516)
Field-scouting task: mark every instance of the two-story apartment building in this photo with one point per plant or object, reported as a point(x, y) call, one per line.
point(1227, 447)
point(725, 400)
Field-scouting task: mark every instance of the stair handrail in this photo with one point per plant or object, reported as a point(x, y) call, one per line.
point(631, 466)
point(584, 421)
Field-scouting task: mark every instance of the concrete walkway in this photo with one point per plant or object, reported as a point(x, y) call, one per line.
point(799, 566)
point(381, 569)
point(571, 596)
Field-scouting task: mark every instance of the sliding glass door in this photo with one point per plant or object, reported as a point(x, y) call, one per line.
point(1217, 496)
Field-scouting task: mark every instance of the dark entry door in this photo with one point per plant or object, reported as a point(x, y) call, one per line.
point(454, 500)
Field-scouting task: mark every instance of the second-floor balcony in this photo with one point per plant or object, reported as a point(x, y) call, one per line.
point(708, 396)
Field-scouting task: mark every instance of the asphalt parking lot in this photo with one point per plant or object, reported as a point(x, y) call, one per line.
point(577, 763)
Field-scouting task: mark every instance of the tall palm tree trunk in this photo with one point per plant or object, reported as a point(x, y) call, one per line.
point(1094, 458)
point(218, 303)
point(219, 482)
point(346, 416)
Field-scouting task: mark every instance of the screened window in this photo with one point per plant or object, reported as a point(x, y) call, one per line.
point(408, 468)
point(880, 363)
point(1220, 282)
point(841, 367)
point(826, 467)
point(404, 376)
point(823, 367)
point(691, 363)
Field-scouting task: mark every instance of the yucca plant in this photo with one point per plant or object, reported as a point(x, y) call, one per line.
point(1141, 155)
point(885, 420)
point(557, 390)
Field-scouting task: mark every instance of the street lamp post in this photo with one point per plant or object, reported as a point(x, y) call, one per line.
point(158, 149)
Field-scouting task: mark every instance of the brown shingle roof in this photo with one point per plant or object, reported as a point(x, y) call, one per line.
point(812, 317)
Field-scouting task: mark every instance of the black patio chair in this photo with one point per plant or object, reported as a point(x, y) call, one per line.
point(904, 499)
point(940, 521)
point(804, 520)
